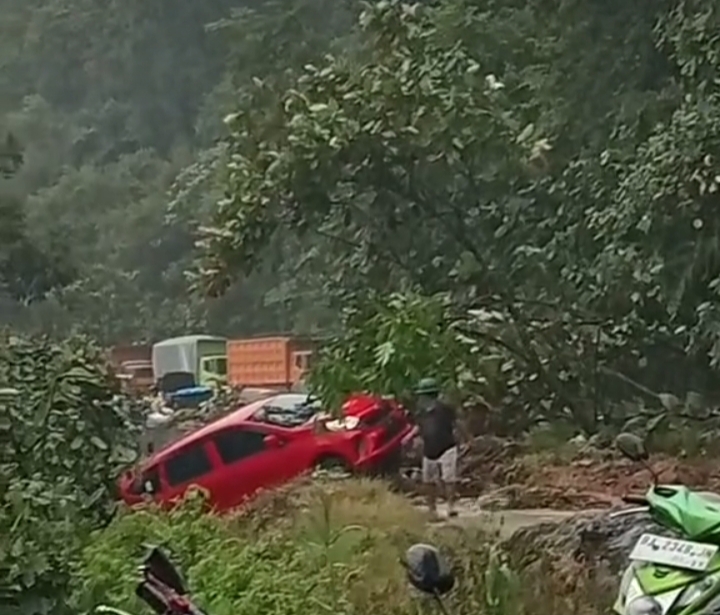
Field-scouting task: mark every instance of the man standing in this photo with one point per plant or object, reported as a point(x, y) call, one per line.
point(437, 426)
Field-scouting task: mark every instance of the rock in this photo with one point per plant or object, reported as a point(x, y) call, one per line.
point(601, 441)
point(597, 539)
point(159, 417)
point(499, 499)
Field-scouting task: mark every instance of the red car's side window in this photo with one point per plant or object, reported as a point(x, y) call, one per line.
point(235, 444)
point(188, 465)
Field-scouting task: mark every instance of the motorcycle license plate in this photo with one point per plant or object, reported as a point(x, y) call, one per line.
point(673, 552)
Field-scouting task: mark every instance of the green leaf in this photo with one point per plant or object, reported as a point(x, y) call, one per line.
point(99, 443)
point(669, 401)
point(526, 133)
point(384, 353)
point(655, 422)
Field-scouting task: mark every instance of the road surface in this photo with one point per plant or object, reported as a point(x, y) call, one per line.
point(504, 522)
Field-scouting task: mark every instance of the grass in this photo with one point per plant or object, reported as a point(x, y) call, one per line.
point(314, 547)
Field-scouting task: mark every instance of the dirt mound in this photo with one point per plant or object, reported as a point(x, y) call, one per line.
point(503, 474)
point(622, 476)
point(587, 482)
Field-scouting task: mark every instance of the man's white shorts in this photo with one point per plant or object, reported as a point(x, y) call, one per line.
point(443, 469)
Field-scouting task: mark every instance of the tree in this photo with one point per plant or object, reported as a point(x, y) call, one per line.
point(110, 105)
point(359, 153)
point(456, 149)
point(64, 439)
point(26, 272)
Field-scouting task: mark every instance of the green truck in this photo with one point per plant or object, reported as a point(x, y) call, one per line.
point(203, 356)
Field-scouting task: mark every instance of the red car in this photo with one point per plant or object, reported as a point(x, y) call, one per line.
point(268, 443)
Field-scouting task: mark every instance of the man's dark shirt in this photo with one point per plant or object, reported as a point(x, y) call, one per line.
point(437, 430)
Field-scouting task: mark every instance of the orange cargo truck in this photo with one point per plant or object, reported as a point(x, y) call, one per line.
point(272, 362)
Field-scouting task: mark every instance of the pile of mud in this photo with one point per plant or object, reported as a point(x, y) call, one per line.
point(619, 476)
point(589, 483)
point(502, 474)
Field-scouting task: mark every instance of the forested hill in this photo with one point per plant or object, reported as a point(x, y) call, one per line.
point(552, 162)
point(108, 102)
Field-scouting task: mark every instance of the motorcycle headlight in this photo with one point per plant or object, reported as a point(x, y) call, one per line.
point(644, 605)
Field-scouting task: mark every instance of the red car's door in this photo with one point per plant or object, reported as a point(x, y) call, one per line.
point(192, 465)
point(248, 462)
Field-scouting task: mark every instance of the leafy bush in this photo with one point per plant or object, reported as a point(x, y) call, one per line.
point(309, 548)
point(387, 346)
point(64, 437)
point(228, 575)
point(292, 551)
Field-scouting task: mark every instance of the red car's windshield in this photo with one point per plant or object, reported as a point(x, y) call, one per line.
point(292, 410)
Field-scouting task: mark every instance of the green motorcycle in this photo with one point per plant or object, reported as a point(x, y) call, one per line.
point(672, 575)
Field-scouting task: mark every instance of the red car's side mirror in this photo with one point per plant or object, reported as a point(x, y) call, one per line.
point(272, 441)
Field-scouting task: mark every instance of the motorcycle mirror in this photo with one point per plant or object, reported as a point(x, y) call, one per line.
point(632, 447)
point(160, 566)
point(427, 570)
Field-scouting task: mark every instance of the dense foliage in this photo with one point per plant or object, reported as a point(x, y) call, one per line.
point(64, 437)
point(318, 548)
point(552, 172)
point(518, 197)
point(112, 110)
point(548, 169)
